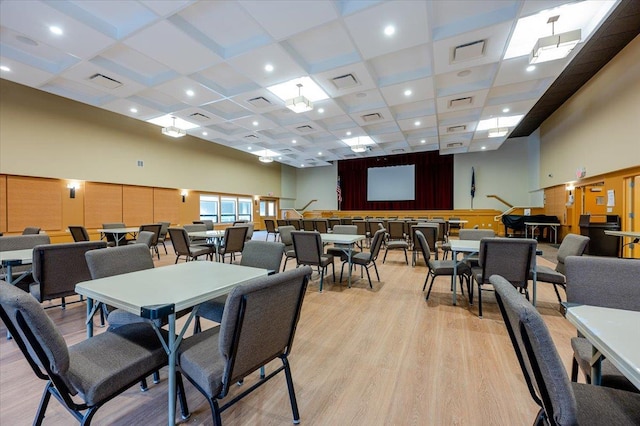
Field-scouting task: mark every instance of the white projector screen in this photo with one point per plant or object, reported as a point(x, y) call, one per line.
point(395, 183)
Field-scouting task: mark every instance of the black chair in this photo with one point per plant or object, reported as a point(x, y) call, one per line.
point(31, 230)
point(396, 239)
point(78, 233)
point(258, 326)
point(287, 240)
point(162, 236)
point(270, 224)
point(309, 251)
point(85, 376)
point(561, 402)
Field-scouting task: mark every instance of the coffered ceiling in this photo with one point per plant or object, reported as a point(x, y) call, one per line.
point(410, 75)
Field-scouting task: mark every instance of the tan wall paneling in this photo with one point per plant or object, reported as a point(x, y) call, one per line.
point(72, 208)
point(103, 204)
point(137, 205)
point(33, 202)
point(3, 204)
point(166, 205)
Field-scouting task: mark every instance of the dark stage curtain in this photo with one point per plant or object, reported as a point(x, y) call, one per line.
point(434, 182)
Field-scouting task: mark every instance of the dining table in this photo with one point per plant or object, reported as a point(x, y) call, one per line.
point(119, 234)
point(346, 242)
point(213, 237)
point(160, 293)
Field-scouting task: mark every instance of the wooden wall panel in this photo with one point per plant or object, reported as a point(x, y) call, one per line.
point(33, 202)
point(166, 205)
point(3, 204)
point(137, 205)
point(102, 204)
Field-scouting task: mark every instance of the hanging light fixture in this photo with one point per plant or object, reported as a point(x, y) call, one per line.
point(358, 147)
point(498, 131)
point(555, 46)
point(265, 158)
point(173, 131)
point(299, 103)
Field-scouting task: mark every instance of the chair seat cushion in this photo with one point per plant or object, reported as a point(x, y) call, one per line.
point(104, 364)
point(549, 275)
point(326, 259)
point(212, 309)
point(598, 405)
point(397, 245)
point(611, 376)
point(445, 267)
point(197, 250)
point(200, 359)
point(290, 253)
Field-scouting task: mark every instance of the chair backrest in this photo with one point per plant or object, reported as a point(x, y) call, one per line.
point(270, 225)
point(374, 225)
point(282, 222)
point(31, 230)
point(78, 233)
point(238, 222)
point(262, 254)
point(208, 223)
point(572, 245)
point(376, 243)
point(308, 225)
point(37, 337)
point(118, 260)
point(603, 281)
point(346, 229)
point(346, 221)
point(396, 229)
point(57, 268)
point(259, 322)
point(112, 225)
point(442, 228)
point(21, 242)
point(308, 247)
point(250, 227)
point(510, 258)
point(321, 225)
point(180, 241)
point(476, 234)
point(234, 238)
point(361, 225)
point(146, 238)
point(334, 221)
point(430, 234)
point(541, 365)
point(164, 229)
point(296, 223)
point(422, 244)
point(153, 228)
point(285, 236)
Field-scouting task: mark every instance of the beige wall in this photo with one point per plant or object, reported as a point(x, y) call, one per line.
point(599, 127)
point(49, 136)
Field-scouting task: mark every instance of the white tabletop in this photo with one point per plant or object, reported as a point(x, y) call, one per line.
point(454, 221)
point(342, 238)
point(185, 285)
point(26, 255)
point(614, 332)
point(207, 234)
point(118, 230)
point(630, 234)
point(467, 246)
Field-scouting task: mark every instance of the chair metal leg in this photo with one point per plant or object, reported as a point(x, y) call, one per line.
point(156, 377)
point(44, 401)
point(555, 287)
point(479, 301)
point(143, 385)
point(369, 278)
point(63, 305)
point(292, 393)
point(406, 260)
point(182, 398)
point(433, 278)
point(574, 370)
point(376, 269)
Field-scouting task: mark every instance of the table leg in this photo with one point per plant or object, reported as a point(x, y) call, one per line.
point(535, 279)
point(171, 343)
point(455, 274)
point(89, 317)
point(596, 367)
point(349, 263)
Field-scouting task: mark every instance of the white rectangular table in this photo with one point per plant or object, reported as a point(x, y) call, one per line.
point(119, 233)
point(534, 225)
point(212, 236)
point(614, 334)
point(184, 286)
point(633, 236)
point(347, 240)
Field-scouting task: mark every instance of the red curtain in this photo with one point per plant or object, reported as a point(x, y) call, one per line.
point(434, 182)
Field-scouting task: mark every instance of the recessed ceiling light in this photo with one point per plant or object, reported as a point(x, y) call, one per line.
point(301, 165)
point(55, 30)
point(348, 133)
point(484, 147)
point(204, 133)
point(389, 30)
point(134, 110)
point(293, 141)
point(464, 73)
point(531, 68)
point(423, 141)
point(417, 123)
point(190, 92)
point(279, 158)
point(320, 153)
point(408, 92)
point(320, 110)
point(255, 123)
point(4, 68)
point(249, 148)
point(268, 68)
point(506, 110)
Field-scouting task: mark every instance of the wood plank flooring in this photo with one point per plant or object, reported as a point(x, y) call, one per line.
point(361, 356)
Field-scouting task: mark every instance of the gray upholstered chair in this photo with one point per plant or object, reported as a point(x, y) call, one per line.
point(31, 230)
point(162, 237)
point(250, 228)
point(57, 268)
point(287, 240)
point(196, 227)
point(21, 242)
point(115, 239)
point(150, 241)
point(510, 258)
point(438, 268)
point(206, 222)
point(234, 240)
point(270, 224)
point(341, 250)
point(282, 222)
point(430, 232)
point(396, 239)
point(368, 259)
point(321, 225)
point(606, 282)
point(474, 234)
point(308, 225)
point(253, 332)
point(572, 245)
point(182, 246)
point(146, 238)
point(333, 221)
point(85, 376)
point(78, 233)
point(561, 402)
point(257, 254)
point(309, 251)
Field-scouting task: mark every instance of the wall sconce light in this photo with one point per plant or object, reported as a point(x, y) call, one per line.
point(72, 189)
point(184, 195)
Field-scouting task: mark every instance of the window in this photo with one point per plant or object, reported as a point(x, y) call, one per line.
point(209, 207)
point(244, 209)
point(268, 208)
point(228, 210)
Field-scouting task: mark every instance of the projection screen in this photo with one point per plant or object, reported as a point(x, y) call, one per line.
point(395, 183)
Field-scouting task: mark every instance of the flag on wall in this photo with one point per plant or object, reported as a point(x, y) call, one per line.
point(473, 185)
point(339, 191)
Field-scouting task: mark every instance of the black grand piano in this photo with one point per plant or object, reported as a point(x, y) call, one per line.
point(516, 223)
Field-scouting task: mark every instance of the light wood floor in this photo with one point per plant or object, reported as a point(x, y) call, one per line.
point(360, 357)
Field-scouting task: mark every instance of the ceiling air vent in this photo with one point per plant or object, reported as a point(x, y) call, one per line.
point(259, 102)
point(199, 117)
point(454, 145)
point(251, 137)
point(349, 156)
point(344, 81)
point(460, 102)
point(467, 51)
point(305, 129)
point(285, 151)
point(104, 81)
point(397, 151)
point(454, 129)
point(367, 118)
